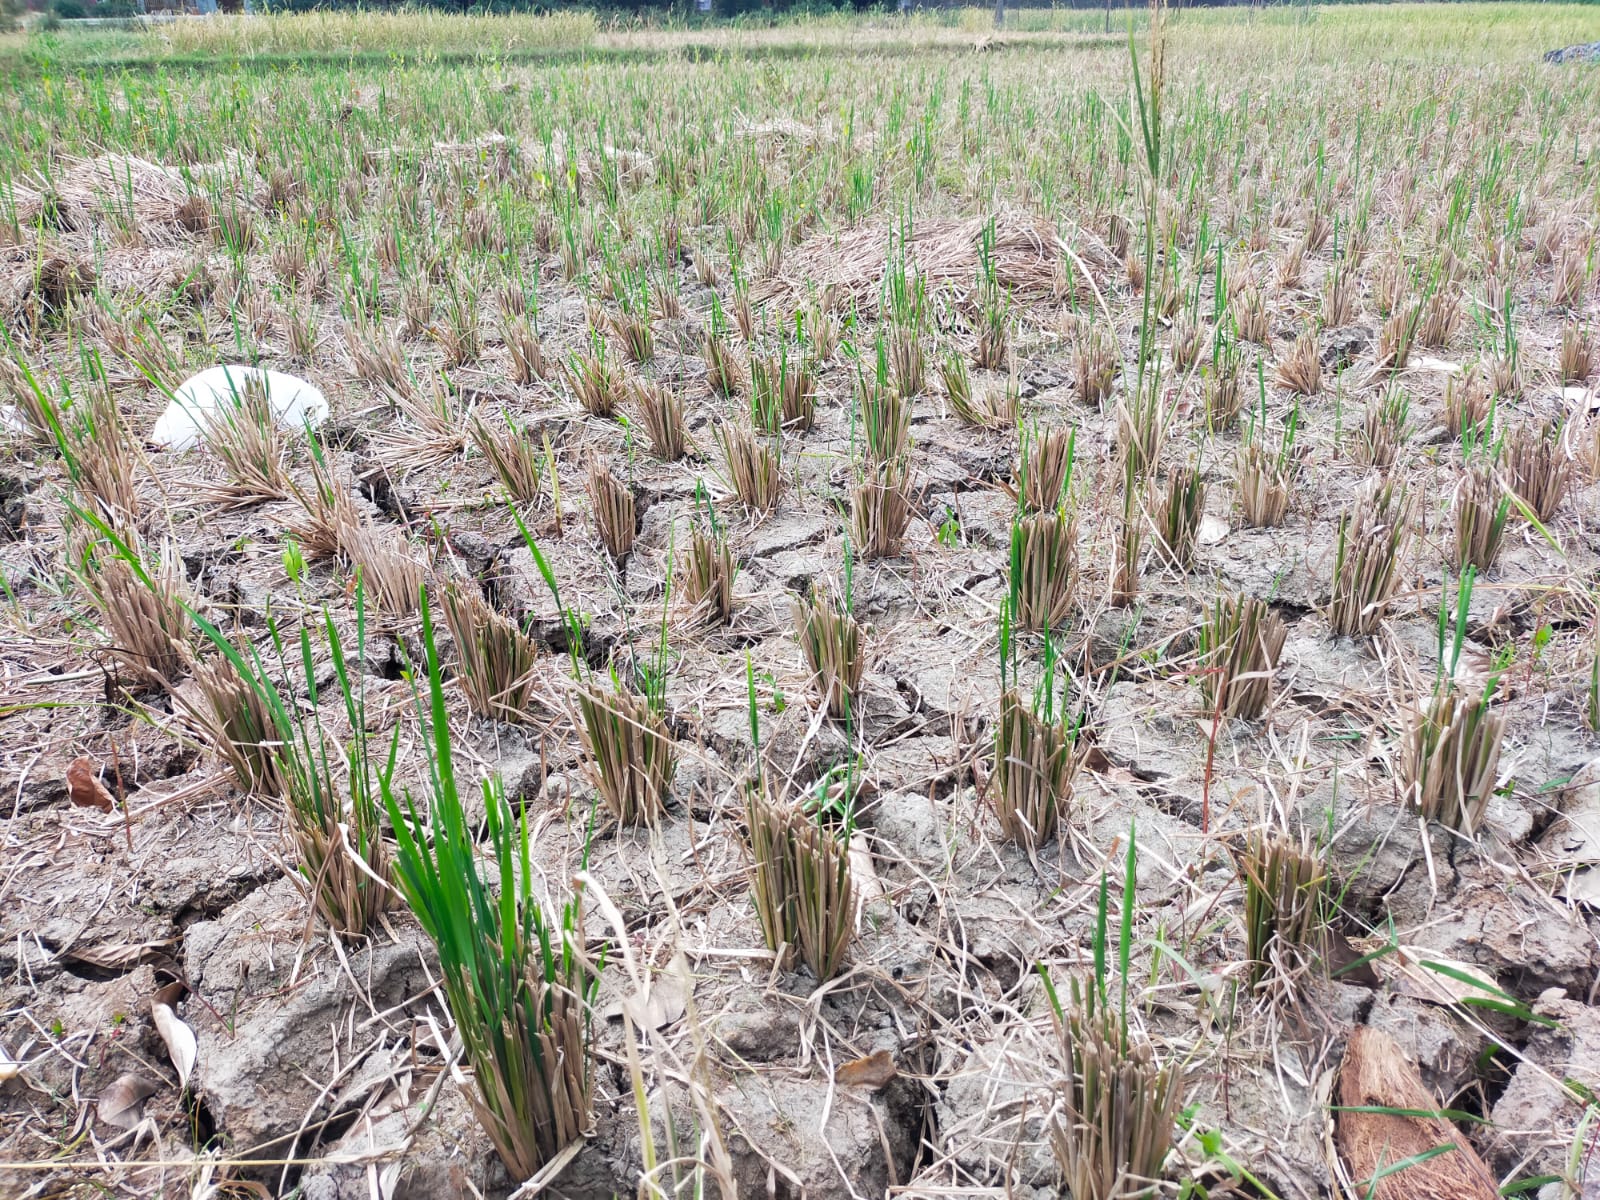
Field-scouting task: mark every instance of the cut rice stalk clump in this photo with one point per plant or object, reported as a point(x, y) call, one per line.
point(1481, 506)
point(1035, 762)
point(1451, 757)
point(594, 382)
point(142, 600)
point(1286, 903)
point(1385, 425)
point(708, 577)
point(631, 752)
point(1240, 642)
point(1300, 371)
point(235, 720)
point(386, 566)
point(497, 658)
point(96, 449)
point(1373, 534)
point(244, 435)
point(989, 408)
point(526, 349)
point(803, 889)
point(1224, 398)
point(906, 359)
point(660, 411)
point(1044, 569)
point(831, 642)
point(615, 513)
point(722, 367)
point(880, 509)
point(1095, 367)
point(1044, 470)
point(885, 419)
point(1116, 1107)
point(782, 394)
point(1177, 517)
point(1263, 487)
point(514, 458)
point(1467, 406)
point(518, 982)
point(753, 467)
point(1538, 468)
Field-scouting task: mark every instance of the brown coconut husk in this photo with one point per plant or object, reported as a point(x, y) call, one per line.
point(1375, 1074)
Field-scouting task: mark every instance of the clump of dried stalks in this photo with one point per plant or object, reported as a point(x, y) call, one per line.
point(1286, 903)
point(722, 368)
point(245, 436)
point(1384, 427)
point(142, 599)
point(1450, 757)
point(1467, 405)
point(1044, 568)
point(593, 381)
point(880, 508)
point(1538, 468)
point(1224, 398)
point(753, 467)
point(1044, 469)
point(497, 660)
point(660, 411)
point(1481, 507)
point(707, 582)
point(386, 565)
point(1036, 759)
point(95, 447)
point(235, 720)
point(830, 639)
point(513, 457)
point(1116, 1106)
point(803, 890)
point(1373, 534)
point(1130, 539)
point(519, 985)
point(1176, 516)
point(632, 755)
point(1095, 366)
point(1577, 359)
point(992, 408)
point(525, 347)
point(1300, 371)
point(1240, 642)
point(885, 418)
point(615, 515)
point(782, 394)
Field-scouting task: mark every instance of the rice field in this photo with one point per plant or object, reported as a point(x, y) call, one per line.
point(841, 607)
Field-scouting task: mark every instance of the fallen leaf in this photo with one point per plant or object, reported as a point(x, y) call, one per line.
point(84, 786)
point(122, 1103)
point(873, 1071)
point(1411, 976)
point(116, 956)
point(663, 1005)
point(182, 1046)
point(10, 1068)
point(1212, 530)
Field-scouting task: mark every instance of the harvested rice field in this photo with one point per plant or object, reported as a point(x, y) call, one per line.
point(854, 609)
